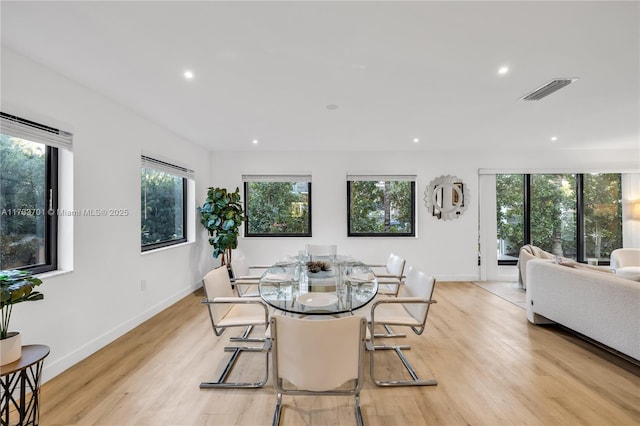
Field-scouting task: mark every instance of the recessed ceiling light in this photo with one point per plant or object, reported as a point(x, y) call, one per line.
point(255, 141)
point(554, 138)
point(416, 140)
point(188, 74)
point(503, 70)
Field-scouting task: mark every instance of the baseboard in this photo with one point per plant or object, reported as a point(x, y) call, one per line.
point(53, 369)
point(457, 278)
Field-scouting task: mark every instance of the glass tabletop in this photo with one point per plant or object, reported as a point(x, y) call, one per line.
point(318, 286)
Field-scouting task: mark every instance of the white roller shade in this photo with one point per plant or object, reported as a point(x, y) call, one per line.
point(410, 178)
point(164, 166)
point(34, 132)
point(276, 178)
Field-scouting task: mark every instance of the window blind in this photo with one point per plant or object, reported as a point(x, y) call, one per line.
point(410, 178)
point(276, 178)
point(34, 132)
point(164, 166)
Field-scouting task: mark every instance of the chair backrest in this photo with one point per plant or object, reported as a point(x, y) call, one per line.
point(418, 284)
point(239, 266)
point(395, 265)
point(318, 355)
point(623, 257)
point(217, 284)
point(321, 249)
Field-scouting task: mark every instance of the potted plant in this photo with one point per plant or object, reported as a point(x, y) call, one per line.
point(222, 214)
point(16, 287)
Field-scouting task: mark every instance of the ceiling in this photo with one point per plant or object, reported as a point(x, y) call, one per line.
point(356, 75)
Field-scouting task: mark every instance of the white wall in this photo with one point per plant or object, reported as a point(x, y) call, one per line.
point(101, 297)
point(446, 249)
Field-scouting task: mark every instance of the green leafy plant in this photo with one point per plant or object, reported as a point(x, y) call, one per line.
point(16, 287)
point(222, 214)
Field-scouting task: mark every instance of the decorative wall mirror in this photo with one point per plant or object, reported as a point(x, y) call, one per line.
point(445, 197)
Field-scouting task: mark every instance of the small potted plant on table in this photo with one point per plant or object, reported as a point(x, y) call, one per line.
point(15, 287)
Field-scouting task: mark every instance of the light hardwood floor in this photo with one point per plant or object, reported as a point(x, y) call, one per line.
point(493, 368)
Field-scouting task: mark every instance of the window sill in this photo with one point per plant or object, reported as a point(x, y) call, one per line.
point(144, 253)
point(51, 274)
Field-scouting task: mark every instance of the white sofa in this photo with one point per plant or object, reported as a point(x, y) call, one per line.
point(602, 306)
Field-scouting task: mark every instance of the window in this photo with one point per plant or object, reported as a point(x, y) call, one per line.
point(164, 204)
point(381, 206)
point(602, 215)
point(277, 205)
point(578, 216)
point(29, 194)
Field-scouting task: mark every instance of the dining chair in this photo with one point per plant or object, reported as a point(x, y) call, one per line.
point(321, 249)
point(390, 276)
point(409, 309)
point(318, 357)
point(226, 310)
point(245, 278)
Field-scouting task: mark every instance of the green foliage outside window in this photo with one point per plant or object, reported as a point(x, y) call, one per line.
point(381, 208)
point(555, 214)
point(602, 214)
point(510, 213)
point(22, 203)
point(277, 208)
point(162, 212)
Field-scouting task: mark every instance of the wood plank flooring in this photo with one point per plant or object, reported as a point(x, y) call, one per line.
point(493, 368)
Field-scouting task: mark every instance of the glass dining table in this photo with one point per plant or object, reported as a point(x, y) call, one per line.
point(322, 285)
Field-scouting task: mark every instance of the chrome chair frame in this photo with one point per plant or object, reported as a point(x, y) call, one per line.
point(418, 328)
point(244, 338)
point(282, 390)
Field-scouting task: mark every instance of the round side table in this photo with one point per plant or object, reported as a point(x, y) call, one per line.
point(20, 387)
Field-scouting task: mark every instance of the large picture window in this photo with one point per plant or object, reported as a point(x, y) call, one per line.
point(29, 194)
point(578, 216)
point(277, 205)
point(164, 204)
point(381, 206)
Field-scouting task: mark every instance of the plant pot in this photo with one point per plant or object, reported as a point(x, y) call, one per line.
point(11, 348)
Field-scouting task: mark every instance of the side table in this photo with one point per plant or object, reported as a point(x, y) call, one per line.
point(20, 387)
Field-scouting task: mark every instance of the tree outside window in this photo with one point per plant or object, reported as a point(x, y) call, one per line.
point(382, 207)
point(163, 202)
point(277, 208)
point(26, 220)
point(578, 216)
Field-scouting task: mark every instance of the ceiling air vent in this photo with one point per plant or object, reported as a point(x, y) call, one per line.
point(547, 89)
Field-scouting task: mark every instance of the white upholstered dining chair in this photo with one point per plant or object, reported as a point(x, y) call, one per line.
point(409, 309)
point(321, 250)
point(245, 277)
point(226, 310)
point(318, 357)
point(390, 275)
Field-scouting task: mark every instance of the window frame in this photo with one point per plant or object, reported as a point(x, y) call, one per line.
point(52, 139)
point(247, 179)
point(385, 178)
point(177, 171)
point(580, 211)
